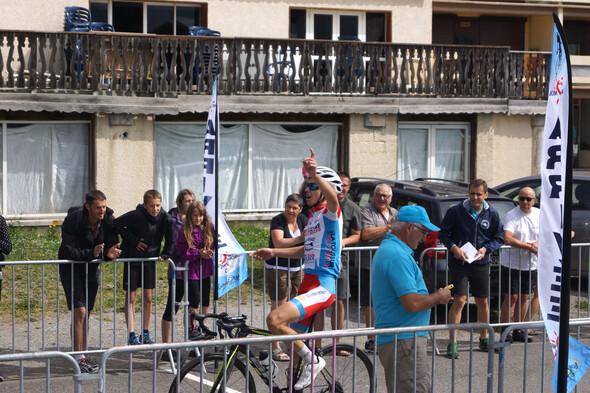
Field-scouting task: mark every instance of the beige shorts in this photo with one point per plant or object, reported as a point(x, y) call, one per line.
point(280, 283)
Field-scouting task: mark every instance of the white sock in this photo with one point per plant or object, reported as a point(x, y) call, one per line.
point(79, 357)
point(306, 355)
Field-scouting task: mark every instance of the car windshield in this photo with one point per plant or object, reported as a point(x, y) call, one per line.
point(502, 207)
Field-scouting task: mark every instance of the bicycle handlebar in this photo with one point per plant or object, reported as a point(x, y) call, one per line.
point(224, 321)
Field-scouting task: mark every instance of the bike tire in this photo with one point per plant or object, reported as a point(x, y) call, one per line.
point(352, 373)
point(239, 379)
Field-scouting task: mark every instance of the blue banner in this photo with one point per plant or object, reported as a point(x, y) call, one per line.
point(577, 364)
point(231, 259)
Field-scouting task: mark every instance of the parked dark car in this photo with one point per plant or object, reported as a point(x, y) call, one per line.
point(580, 212)
point(436, 196)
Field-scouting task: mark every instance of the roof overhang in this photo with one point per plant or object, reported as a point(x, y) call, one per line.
point(268, 104)
point(511, 8)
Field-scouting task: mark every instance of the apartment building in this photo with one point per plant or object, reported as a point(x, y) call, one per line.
point(447, 89)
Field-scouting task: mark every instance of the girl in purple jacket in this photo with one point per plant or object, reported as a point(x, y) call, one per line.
point(195, 247)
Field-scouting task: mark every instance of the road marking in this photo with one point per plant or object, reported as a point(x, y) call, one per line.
point(205, 382)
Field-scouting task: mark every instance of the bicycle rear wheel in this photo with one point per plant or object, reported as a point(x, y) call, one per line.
point(201, 377)
point(352, 373)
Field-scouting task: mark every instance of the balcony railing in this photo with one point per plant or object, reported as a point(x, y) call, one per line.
point(123, 63)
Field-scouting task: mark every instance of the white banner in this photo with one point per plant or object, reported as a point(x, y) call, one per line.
point(553, 168)
point(231, 259)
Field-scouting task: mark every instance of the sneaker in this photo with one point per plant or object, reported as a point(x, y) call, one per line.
point(146, 339)
point(1, 377)
point(166, 358)
point(87, 366)
point(508, 337)
point(520, 336)
point(483, 345)
point(370, 345)
point(306, 374)
point(452, 352)
point(133, 340)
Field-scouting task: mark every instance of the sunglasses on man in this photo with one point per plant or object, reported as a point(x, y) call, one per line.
point(312, 186)
point(522, 199)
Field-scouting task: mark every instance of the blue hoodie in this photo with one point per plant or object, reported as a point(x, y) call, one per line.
point(459, 227)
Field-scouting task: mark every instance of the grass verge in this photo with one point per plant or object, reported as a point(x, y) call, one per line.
point(36, 289)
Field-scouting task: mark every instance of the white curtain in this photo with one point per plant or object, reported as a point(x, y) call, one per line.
point(446, 159)
point(449, 154)
point(413, 153)
point(179, 163)
point(47, 167)
point(274, 158)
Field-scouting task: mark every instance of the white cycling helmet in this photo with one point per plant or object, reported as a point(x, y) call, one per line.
point(331, 177)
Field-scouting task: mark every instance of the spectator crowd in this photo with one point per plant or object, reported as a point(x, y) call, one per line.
point(305, 269)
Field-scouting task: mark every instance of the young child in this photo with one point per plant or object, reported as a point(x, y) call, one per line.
point(184, 199)
point(142, 231)
point(195, 247)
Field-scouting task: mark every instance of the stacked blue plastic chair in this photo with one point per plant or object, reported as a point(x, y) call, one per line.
point(356, 70)
point(77, 19)
point(201, 31)
point(101, 26)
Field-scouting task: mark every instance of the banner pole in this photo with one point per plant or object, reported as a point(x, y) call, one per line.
point(216, 154)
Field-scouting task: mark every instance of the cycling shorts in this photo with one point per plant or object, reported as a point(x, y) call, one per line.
point(315, 295)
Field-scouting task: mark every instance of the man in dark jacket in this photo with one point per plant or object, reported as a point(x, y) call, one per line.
point(476, 222)
point(142, 231)
point(88, 233)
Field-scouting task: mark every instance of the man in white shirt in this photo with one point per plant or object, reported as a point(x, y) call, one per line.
point(519, 264)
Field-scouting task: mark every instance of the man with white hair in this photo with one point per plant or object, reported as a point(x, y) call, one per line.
point(403, 300)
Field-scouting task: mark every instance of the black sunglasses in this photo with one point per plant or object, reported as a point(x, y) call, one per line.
point(312, 186)
point(522, 199)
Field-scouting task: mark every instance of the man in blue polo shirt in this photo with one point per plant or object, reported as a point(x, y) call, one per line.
point(403, 300)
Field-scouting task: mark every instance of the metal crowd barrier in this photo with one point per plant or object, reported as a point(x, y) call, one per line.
point(37, 325)
point(483, 377)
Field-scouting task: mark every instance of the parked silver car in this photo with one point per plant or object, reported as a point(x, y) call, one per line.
point(580, 213)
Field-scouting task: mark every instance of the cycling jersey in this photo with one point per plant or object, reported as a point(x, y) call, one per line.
point(323, 242)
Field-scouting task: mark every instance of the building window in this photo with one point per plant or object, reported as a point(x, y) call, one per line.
point(433, 150)
point(329, 25)
point(485, 30)
point(578, 36)
point(260, 164)
point(153, 18)
point(44, 167)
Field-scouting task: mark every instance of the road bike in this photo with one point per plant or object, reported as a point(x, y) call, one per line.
point(230, 370)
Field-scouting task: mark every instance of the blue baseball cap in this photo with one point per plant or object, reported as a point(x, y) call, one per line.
point(417, 215)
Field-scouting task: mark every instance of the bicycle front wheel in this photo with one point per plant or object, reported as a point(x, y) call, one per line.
point(210, 376)
point(352, 373)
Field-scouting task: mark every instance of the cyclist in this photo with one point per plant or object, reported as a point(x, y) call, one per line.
point(321, 252)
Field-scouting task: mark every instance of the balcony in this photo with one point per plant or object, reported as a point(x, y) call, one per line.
point(162, 66)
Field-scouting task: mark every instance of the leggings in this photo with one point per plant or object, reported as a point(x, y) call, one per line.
point(194, 295)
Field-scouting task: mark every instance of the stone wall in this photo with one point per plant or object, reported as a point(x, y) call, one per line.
point(505, 147)
point(373, 145)
point(124, 159)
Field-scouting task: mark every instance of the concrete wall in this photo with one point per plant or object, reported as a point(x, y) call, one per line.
point(239, 18)
point(539, 33)
point(124, 160)
point(234, 18)
point(505, 147)
point(373, 145)
point(37, 15)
